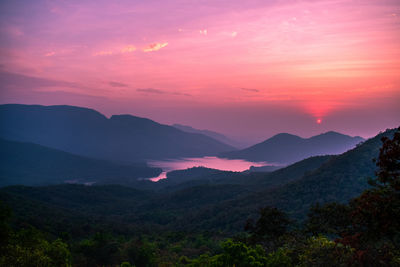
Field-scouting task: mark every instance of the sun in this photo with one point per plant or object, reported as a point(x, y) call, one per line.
point(319, 121)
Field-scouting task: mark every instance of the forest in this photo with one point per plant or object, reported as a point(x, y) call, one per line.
point(89, 226)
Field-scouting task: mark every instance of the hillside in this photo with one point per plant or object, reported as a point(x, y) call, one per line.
point(287, 148)
point(217, 136)
point(87, 132)
point(32, 164)
point(216, 201)
point(338, 179)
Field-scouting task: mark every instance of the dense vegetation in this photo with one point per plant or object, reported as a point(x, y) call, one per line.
point(213, 224)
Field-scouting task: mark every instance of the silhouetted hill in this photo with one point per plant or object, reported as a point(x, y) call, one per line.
point(338, 179)
point(32, 164)
point(86, 132)
point(267, 168)
point(290, 173)
point(288, 148)
point(217, 136)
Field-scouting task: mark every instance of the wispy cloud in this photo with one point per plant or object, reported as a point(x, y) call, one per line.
point(203, 32)
point(117, 84)
point(15, 80)
point(150, 90)
point(154, 47)
point(250, 90)
point(179, 93)
point(128, 49)
point(158, 91)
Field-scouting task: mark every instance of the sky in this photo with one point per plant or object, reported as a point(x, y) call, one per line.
point(248, 69)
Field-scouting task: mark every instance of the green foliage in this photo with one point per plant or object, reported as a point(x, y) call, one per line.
point(101, 249)
point(270, 226)
point(234, 254)
point(280, 257)
point(126, 264)
point(331, 218)
point(141, 253)
point(239, 254)
point(389, 163)
point(27, 247)
point(322, 252)
point(371, 222)
point(5, 230)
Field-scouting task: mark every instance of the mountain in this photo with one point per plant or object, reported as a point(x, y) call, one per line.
point(217, 136)
point(87, 132)
point(338, 179)
point(32, 164)
point(287, 148)
point(222, 202)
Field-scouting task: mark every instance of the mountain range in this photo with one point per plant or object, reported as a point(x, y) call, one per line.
point(286, 148)
point(205, 199)
point(89, 133)
point(217, 136)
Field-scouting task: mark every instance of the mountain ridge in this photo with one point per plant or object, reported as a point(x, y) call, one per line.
point(87, 132)
point(289, 148)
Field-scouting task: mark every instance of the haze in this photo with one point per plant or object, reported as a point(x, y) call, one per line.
point(247, 69)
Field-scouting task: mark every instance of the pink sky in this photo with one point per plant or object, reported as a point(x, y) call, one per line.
point(244, 68)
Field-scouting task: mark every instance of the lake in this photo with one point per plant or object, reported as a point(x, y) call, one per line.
point(237, 165)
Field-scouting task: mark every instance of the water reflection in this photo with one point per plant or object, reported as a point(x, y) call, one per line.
point(208, 162)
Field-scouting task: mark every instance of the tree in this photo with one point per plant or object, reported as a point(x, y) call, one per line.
point(375, 214)
point(27, 247)
point(388, 162)
point(323, 252)
point(235, 253)
point(331, 219)
point(270, 226)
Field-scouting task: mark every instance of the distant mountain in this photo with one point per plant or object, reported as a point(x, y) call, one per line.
point(287, 148)
point(338, 179)
point(32, 164)
point(87, 132)
point(217, 136)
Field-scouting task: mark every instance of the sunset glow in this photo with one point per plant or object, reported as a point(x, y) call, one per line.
point(230, 66)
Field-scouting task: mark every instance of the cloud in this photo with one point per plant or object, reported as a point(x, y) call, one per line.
point(178, 93)
point(150, 90)
point(234, 34)
point(117, 84)
point(20, 81)
point(128, 49)
point(157, 91)
point(204, 32)
point(250, 90)
point(154, 47)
